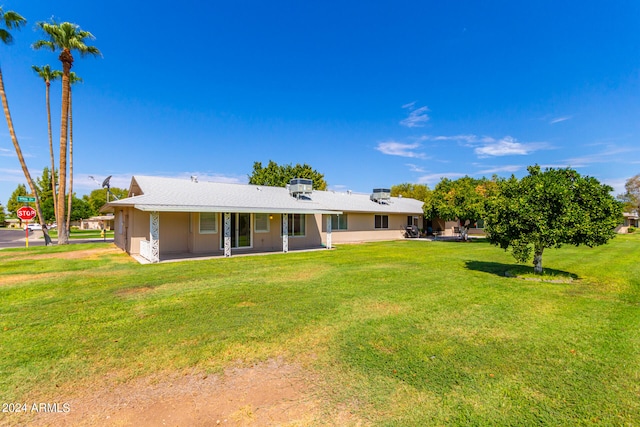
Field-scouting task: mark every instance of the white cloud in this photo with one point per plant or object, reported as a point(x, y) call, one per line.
point(435, 178)
point(393, 148)
point(417, 117)
point(498, 169)
point(415, 168)
point(603, 157)
point(560, 119)
point(507, 146)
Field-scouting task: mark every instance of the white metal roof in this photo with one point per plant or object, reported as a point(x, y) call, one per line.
point(181, 195)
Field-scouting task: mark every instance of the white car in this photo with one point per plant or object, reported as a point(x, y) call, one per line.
point(32, 227)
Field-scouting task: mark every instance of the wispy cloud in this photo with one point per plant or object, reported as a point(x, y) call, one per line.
point(601, 157)
point(415, 168)
point(434, 178)
point(560, 119)
point(417, 117)
point(487, 146)
point(7, 153)
point(508, 146)
point(393, 148)
point(498, 169)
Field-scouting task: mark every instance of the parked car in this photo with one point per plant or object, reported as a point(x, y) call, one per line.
point(32, 227)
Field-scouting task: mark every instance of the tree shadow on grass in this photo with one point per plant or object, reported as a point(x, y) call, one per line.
point(515, 270)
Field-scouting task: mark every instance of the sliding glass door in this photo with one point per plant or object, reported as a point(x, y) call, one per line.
point(240, 231)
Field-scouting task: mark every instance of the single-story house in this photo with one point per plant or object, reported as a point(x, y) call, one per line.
point(165, 217)
point(631, 220)
point(100, 222)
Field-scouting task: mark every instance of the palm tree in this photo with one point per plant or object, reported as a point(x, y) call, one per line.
point(66, 37)
point(73, 79)
point(48, 75)
point(12, 20)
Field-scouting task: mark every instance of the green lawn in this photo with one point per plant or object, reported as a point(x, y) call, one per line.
point(404, 333)
point(83, 234)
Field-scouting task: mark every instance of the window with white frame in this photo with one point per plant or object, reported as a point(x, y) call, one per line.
point(208, 222)
point(296, 225)
point(339, 222)
point(381, 221)
point(261, 222)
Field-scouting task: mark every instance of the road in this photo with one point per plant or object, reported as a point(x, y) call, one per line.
point(16, 239)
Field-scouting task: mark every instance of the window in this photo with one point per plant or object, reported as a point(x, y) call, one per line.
point(208, 222)
point(296, 225)
point(382, 221)
point(339, 222)
point(261, 221)
point(120, 222)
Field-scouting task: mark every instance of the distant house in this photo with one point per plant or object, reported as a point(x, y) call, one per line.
point(101, 222)
point(630, 220)
point(164, 218)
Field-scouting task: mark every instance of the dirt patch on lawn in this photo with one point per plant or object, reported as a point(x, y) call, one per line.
point(273, 393)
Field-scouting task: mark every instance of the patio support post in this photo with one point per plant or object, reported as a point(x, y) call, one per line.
point(328, 231)
point(285, 233)
point(227, 234)
point(154, 236)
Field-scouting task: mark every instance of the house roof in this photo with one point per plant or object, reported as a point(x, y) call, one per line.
point(180, 195)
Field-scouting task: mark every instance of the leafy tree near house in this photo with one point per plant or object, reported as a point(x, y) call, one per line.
point(547, 209)
point(414, 191)
point(47, 198)
point(97, 198)
point(462, 199)
point(3, 216)
point(65, 37)
point(631, 197)
point(13, 204)
point(275, 175)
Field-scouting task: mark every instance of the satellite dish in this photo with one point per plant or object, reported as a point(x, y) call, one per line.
point(105, 183)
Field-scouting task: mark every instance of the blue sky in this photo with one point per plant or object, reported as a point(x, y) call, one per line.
point(371, 94)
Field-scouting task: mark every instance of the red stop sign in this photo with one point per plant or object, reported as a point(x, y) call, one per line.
point(26, 213)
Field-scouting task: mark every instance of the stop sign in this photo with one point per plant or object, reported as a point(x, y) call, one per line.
point(26, 213)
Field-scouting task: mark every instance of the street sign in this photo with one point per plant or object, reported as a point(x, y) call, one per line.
point(26, 213)
point(26, 199)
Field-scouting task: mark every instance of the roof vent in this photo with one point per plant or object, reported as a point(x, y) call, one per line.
point(300, 187)
point(381, 195)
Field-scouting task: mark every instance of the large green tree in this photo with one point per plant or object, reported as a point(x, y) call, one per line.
point(13, 204)
point(414, 191)
point(462, 199)
point(2, 215)
point(12, 20)
point(48, 75)
point(547, 209)
point(631, 197)
point(65, 37)
point(47, 197)
point(98, 198)
point(275, 175)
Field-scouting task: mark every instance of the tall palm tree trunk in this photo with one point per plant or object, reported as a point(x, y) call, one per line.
point(53, 164)
point(14, 139)
point(67, 61)
point(70, 160)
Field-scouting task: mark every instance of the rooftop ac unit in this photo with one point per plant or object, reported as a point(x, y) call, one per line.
point(300, 186)
point(381, 195)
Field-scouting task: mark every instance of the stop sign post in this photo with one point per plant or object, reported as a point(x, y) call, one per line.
point(26, 213)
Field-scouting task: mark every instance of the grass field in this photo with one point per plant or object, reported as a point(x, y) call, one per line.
point(83, 234)
point(402, 333)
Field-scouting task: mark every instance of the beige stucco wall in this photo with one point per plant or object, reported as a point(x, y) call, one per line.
point(131, 226)
point(361, 228)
